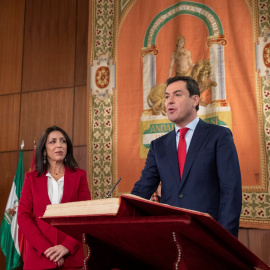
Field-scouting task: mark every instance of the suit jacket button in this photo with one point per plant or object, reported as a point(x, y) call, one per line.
point(181, 195)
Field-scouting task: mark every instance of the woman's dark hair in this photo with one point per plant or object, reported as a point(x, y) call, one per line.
point(192, 85)
point(69, 160)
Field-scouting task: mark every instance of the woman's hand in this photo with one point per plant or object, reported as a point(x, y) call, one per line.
point(60, 263)
point(56, 253)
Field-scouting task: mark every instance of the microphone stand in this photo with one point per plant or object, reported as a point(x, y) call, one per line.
point(109, 194)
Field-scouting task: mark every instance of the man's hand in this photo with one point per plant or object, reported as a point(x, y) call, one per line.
point(56, 253)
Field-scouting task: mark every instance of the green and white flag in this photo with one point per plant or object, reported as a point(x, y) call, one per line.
point(9, 235)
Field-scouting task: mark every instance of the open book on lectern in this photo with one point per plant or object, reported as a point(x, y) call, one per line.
point(111, 206)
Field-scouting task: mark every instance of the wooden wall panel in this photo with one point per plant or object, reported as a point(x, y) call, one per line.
point(11, 31)
point(43, 109)
point(79, 153)
point(80, 116)
point(9, 122)
point(27, 158)
point(81, 42)
point(243, 236)
point(259, 244)
point(49, 44)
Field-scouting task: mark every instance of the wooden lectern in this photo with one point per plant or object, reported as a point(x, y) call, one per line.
point(148, 235)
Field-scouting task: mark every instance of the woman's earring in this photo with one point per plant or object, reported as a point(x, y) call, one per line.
point(44, 159)
point(65, 159)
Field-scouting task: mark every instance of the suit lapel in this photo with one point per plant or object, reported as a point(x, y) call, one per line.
point(171, 153)
point(69, 182)
point(198, 138)
point(43, 187)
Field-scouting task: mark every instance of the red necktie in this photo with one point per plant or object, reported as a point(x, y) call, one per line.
point(182, 149)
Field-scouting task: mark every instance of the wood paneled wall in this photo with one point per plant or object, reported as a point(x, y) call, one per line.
point(43, 68)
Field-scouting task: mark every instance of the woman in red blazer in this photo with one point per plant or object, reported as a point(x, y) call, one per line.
point(57, 179)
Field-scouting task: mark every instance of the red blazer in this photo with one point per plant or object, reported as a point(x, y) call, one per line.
point(40, 235)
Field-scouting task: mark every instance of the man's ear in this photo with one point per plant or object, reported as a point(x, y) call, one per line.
point(196, 100)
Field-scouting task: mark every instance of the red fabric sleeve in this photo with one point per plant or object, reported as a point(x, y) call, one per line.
point(84, 193)
point(26, 219)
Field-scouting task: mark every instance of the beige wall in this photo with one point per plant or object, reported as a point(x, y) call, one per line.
point(43, 69)
point(43, 66)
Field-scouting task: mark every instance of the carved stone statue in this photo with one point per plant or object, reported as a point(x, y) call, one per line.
point(181, 58)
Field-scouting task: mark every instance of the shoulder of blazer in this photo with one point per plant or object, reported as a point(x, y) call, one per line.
point(165, 137)
point(213, 127)
point(32, 174)
point(203, 124)
point(76, 171)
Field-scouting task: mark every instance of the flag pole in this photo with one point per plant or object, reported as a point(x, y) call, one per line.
point(22, 145)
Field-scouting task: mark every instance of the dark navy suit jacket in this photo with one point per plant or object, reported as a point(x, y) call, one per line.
point(211, 181)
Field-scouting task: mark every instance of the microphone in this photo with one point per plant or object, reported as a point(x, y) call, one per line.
point(109, 194)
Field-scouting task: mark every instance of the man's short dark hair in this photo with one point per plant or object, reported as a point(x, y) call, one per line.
point(192, 85)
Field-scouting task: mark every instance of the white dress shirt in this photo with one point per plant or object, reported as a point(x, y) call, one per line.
point(192, 125)
point(55, 189)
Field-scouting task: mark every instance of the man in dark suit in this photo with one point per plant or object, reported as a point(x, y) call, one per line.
point(211, 179)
